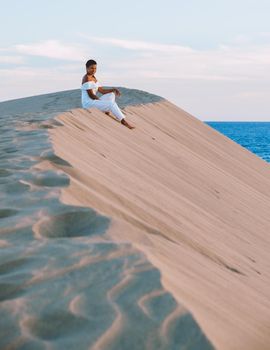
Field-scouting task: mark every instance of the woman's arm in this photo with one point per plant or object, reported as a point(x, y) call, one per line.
point(92, 95)
point(106, 91)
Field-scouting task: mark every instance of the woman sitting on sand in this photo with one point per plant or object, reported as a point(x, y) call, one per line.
point(106, 102)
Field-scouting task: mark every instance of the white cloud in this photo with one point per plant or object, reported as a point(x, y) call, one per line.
point(228, 62)
point(241, 39)
point(240, 60)
point(265, 34)
point(139, 45)
point(32, 81)
point(62, 73)
point(12, 59)
point(53, 49)
point(253, 94)
point(233, 78)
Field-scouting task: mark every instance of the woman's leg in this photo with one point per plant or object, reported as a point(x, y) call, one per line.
point(108, 106)
point(110, 97)
point(117, 112)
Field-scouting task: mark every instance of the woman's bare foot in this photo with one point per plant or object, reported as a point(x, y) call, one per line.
point(124, 122)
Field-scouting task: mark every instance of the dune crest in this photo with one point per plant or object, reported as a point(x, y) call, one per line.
point(193, 200)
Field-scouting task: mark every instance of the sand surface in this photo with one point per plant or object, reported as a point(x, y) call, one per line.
point(195, 202)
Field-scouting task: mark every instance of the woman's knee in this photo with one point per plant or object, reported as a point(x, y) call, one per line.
point(111, 96)
point(109, 105)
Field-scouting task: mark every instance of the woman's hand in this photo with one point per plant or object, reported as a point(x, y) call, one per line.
point(117, 92)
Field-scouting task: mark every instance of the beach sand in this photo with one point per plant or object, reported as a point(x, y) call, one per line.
point(195, 202)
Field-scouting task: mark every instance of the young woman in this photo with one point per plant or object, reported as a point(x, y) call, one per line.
point(106, 102)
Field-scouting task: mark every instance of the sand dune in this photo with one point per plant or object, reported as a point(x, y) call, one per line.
point(193, 200)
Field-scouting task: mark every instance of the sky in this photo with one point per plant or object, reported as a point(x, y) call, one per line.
point(210, 57)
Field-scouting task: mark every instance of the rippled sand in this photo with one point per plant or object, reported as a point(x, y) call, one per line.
point(195, 202)
point(65, 281)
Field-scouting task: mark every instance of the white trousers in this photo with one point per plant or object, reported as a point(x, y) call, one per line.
point(106, 103)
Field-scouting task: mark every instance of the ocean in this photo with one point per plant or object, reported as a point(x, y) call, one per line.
point(56, 264)
point(255, 136)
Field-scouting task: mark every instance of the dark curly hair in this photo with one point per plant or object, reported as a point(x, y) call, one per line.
point(90, 62)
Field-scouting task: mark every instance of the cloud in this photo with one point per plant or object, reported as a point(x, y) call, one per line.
point(241, 39)
point(234, 75)
point(139, 45)
point(31, 81)
point(61, 73)
point(239, 60)
point(265, 34)
point(53, 49)
point(12, 59)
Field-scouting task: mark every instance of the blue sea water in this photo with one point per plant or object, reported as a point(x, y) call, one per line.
point(255, 136)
